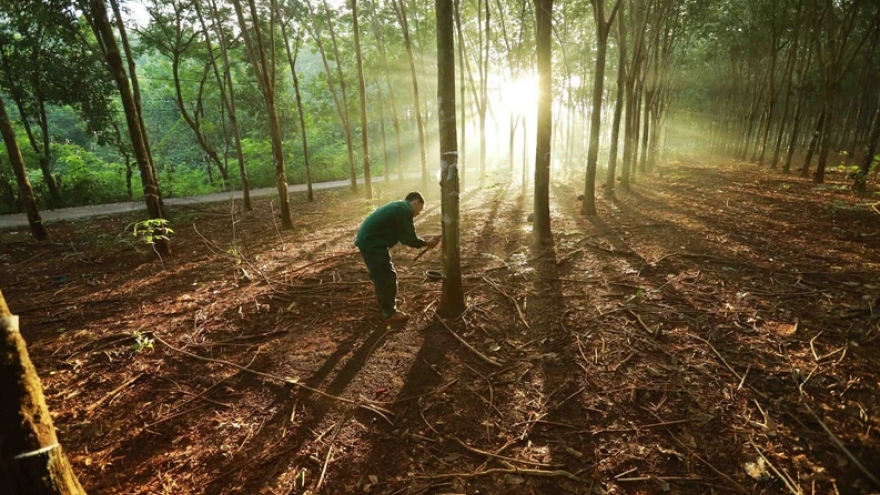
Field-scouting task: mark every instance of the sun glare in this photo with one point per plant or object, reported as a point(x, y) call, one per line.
point(520, 95)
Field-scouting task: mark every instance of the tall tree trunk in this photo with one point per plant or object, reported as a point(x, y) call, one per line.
point(264, 72)
point(42, 151)
point(860, 182)
point(452, 297)
point(603, 27)
point(25, 191)
point(381, 100)
point(152, 195)
point(542, 233)
point(136, 95)
point(343, 89)
point(814, 142)
point(31, 460)
point(291, 60)
point(407, 42)
point(462, 155)
point(618, 104)
point(395, 120)
point(362, 89)
point(231, 107)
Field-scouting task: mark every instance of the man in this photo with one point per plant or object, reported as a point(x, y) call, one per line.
point(380, 231)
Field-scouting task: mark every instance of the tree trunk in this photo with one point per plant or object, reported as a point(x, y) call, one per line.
point(618, 104)
point(401, 14)
point(136, 95)
point(542, 232)
point(462, 161)
point(343, 89)
point(31, 460)
point(264, 71)
point(25, 191)
point(814, 141)
point(152, 195)
point(395, 120)
point(291, 60)
point(362, 89)
point(231, 107)
point(452, 298)
point(861, 177)
point(42, 151)
point(603, 27)
point(381, 100)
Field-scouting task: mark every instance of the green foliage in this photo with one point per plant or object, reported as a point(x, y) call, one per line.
point(86, 179)
point(141, 343)
point(151, 229)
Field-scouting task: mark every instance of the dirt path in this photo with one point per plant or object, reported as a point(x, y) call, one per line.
point(704, 320)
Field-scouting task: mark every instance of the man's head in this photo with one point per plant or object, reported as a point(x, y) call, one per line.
point(417, 201)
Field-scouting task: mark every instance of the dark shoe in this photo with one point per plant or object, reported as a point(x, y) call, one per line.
point(398, 317)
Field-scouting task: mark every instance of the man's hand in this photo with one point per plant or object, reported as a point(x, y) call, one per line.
point(432, 241)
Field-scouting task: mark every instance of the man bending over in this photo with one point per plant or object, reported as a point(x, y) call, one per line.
point(380, 231)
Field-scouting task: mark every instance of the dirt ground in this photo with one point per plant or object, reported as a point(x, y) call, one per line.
point(713, 331)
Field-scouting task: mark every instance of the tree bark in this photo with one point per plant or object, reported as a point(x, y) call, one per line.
point(452, 297)
point(542, 232)
point(603, 27)
point(25, 191)
point(618, 104)
point(231, 107)
point(860, 181)
point(136, 95)
point(362, 89)
point(31, 460)
point(152, 195)
point(291, 60)
point(264, 72)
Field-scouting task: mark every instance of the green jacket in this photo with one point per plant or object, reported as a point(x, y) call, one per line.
point(387, 226)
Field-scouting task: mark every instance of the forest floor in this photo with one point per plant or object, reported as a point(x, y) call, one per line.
point(715, 330)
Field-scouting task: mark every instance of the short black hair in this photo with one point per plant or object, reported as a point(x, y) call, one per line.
point(415, 196)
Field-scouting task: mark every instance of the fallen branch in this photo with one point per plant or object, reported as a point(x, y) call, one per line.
point(479, 354)
point(113, 393)
point(512, 299)
point(837, 441)
point(502, 457)
point(558, 473)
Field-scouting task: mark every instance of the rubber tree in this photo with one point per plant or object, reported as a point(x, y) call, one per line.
point(227, 92)
point(387, 77)
point(362, 90)
point(291, 61)
point(135, 93)
point(32, 461)
point(452, 297)
point(618, 104)
point(340, 100)
point(100, 23)
point(264, 69)
point(400, 9)
point(25, 191)
point(544, 15)
point(172, 34)
point(861, 177)
point(603, 28)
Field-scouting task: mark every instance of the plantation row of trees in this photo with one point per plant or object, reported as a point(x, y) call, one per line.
point(253, 93)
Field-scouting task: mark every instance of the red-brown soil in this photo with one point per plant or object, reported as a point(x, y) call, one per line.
point(715, 316)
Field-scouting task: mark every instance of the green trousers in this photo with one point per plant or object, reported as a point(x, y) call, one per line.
point(378, 261)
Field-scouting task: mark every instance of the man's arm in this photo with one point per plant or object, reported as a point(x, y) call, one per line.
point(407, 230)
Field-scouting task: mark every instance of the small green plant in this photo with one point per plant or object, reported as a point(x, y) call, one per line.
point(141, 342)
point(151, 230)
point(636, 297)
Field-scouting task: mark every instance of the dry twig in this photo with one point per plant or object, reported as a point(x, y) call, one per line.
point(469, 347)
